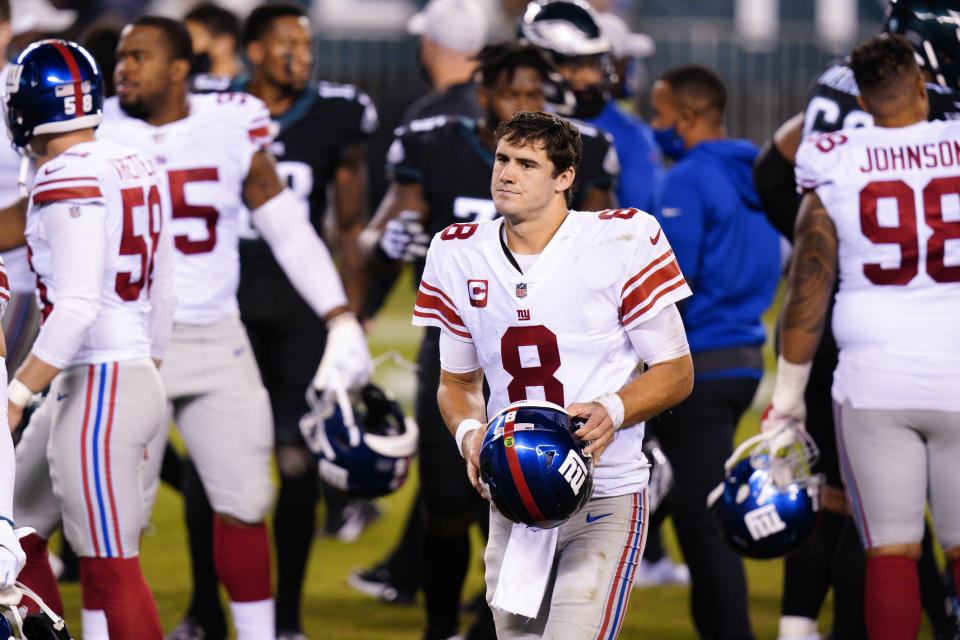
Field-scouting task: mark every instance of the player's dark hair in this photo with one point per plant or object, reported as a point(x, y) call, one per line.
point(694, 83)
point(495, 59)
point(261, 18)
point(175, 35)
point(882, 66)
point(215, 19)
point(560, 139)
point(4, 10)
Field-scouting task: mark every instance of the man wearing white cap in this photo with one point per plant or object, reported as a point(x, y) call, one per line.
point(451, 33)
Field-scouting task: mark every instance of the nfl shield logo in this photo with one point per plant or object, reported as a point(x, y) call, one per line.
point(522, 290)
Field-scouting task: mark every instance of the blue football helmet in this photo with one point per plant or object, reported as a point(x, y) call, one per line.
point(769, 502)
point(363, 442)
point(53, 87)
point(46, 625)
point(532, 466)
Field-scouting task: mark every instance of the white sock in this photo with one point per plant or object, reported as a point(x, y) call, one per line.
point(94, 622)
point(797, 628)
point(253, 620)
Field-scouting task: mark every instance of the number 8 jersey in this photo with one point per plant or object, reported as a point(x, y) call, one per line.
point(557, 332)
point(894, 198)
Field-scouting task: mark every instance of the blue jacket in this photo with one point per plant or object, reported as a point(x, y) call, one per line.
point(638, 152)
point(728, 252)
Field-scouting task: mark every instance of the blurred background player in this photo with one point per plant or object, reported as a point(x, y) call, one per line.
point(223, 415)
point(570, 32)
point(320, 143)
point(833, 556)
point(888, 405)
point(215, 35)
point(439, 175)
point(105, 279)
point(730, 255)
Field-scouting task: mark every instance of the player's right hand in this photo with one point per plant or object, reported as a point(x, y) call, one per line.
point(472, 443)
point(404, 238)
point(12, 557)
point(346, 358)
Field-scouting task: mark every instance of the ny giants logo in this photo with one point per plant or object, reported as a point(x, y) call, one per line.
point(478, 292)
point(523, 314)
point(574, 471)
point(763, 522)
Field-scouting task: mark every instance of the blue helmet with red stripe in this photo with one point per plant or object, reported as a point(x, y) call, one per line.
point(53, 87)
point(769, 502)
point(532, 465)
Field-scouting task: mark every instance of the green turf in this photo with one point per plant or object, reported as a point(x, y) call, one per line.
point(334, 611)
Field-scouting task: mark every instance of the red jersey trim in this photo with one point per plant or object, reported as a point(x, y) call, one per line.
point(66, 193)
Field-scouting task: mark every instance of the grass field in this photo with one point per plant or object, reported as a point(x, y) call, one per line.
point(333, 611)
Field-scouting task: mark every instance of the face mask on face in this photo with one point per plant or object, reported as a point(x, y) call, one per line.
point(590, 102)
point(670, 142)
point(200, 63)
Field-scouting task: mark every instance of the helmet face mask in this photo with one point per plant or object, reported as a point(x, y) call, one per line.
point(769, 502)
point(532, 467)
point(54, 86)
point(363, 442)
point(933, 28)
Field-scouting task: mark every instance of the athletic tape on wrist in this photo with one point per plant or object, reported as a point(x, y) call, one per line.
point(18, 393)
point(467, 426)
point(614, 406)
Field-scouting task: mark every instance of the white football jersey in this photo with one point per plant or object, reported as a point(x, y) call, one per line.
point(204, 159)
point(125, 185)
point(559, 331)
point(894, 197)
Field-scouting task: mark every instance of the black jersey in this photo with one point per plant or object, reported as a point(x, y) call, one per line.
point(313, 134)
point(458, 100)
point(832, 104)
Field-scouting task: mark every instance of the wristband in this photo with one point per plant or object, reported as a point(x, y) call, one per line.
point(341, 318)
point(614, 406)
point(18, 393)
point(788, 391)
point(467, 426)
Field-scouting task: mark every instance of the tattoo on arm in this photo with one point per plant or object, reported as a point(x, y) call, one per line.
point(813, 272)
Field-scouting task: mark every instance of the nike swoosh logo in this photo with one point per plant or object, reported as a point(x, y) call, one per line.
point(654, 239)
point(48, 170)
point(595, 518)
point(61, 396)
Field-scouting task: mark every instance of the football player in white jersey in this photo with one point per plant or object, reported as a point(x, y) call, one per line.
point(559, 305)
point(210, 150)
point(881, 206)
point(106, 286)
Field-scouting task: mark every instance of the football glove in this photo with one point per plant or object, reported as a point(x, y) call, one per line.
point(346, 358)
point(403, 237)
point(12, 557)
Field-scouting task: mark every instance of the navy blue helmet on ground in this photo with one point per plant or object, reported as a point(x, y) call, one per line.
point(53, 87)
point(533, 467)
point(363, 442)
point(769, 503)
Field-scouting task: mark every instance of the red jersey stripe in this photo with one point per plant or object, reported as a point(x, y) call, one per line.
point(654, 281)
point(432, 289)
point(656, 263)
point(451, 328)
point(46, 182)
point(428, 301)
point(66, 193)
point(679, 283)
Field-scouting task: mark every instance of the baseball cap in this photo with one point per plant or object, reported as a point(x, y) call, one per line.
point(623, 42)
point(460, 25)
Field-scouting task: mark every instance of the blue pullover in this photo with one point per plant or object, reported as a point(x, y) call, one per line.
point(638, 153)
point(729, 253)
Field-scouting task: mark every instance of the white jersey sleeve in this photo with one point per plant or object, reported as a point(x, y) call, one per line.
point(250, 115)
point(654, 279)
point(814, 161)
point(435, 307)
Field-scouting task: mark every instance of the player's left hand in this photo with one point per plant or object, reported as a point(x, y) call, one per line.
point(12, 557)
point(14, 415)
point(598, 428)
point(346, 358)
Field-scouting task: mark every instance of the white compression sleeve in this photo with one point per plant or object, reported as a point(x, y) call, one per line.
point(7, 456)
point(163, 295)
point(457, 356)
point(304, 257)
point(77, 244)
point(661, 338)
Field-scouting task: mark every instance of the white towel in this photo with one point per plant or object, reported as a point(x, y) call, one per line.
point(526, 568)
